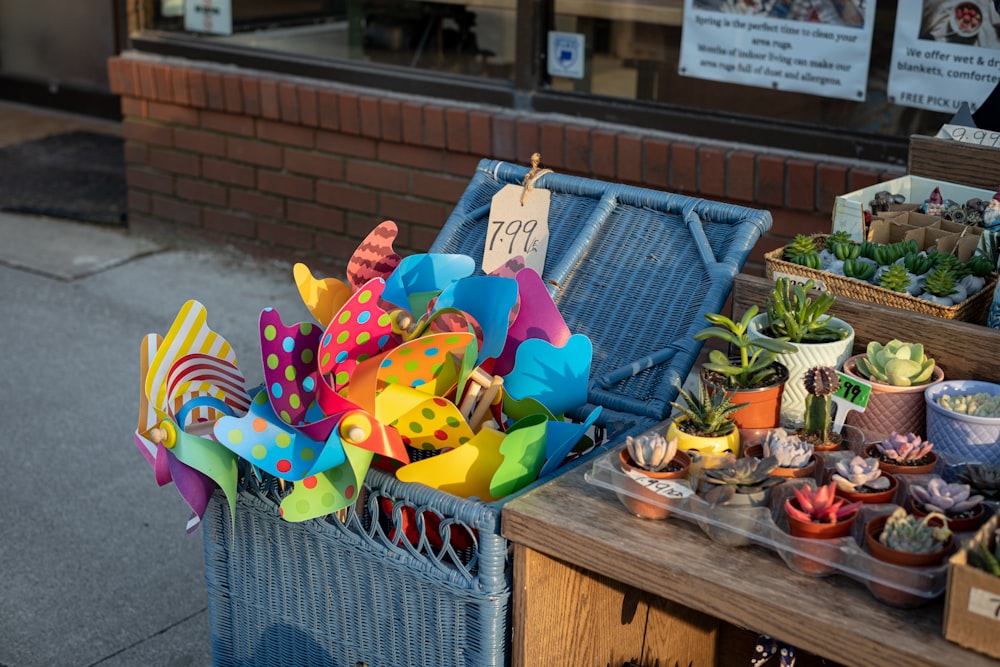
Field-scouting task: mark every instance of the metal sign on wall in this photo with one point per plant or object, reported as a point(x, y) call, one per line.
point(210, 16)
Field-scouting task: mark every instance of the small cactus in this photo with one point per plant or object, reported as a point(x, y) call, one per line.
point(908, 449)
point(977, 405)
point(949, 499)
point(820, 382)
point(790, 450)
point(860, 474)
point(895, 278)
point(905, 532)
point(651, 451)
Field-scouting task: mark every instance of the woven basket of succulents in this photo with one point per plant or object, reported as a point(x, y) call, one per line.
point(899, 275)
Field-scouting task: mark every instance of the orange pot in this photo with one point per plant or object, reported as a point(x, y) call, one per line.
point(764, 409)
point(640, 499)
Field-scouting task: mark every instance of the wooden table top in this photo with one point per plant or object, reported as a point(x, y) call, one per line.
point(835, 617)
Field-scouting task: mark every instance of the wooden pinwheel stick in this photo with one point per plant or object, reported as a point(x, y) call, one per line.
point(483, 407)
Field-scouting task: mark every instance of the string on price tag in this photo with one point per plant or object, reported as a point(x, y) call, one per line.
point(519, 223)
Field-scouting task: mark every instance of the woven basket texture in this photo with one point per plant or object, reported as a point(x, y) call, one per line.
point(410, 576)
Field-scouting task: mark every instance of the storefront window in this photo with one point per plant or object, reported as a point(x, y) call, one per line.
point(467, 38)
point(633, 50)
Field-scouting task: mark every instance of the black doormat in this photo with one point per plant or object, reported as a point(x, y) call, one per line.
point(77, 175)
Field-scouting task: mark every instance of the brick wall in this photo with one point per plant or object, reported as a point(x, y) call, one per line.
point(305, 168)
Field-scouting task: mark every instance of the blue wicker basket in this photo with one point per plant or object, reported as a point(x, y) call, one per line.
point(410, 576)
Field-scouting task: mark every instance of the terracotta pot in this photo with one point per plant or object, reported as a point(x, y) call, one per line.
point(962, 525)
point(901, 469)
point(764, 409)
point(697, 443)
point(890, 408)
point(808, 470)
point(649, 504)
point(808, 355)
point(819, 551)
point(875, 497)
point(850, 439)
point(887, 583)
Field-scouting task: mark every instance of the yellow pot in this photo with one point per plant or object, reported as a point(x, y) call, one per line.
point(717, 445)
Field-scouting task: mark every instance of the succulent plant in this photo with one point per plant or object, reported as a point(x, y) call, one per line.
point(986, 556)
point(979, 265)
point(745, 475)
point(846, 251)
point(821, 382)
point(896, 363)
point(948, 499)
point(904, 449)
point(790, 450)
point(905, 532)
point(801, 245)
point(651, 451)
point(940, 282)
point(895, 278)
point(820, 505)
point(859, 269)
point(918, 263)
point(887, 253)
point(951, 263)
point(984, 478)
point(868, 249)
point(793, 314)
point(709, 414)
point(811, 261)
point(837, 237)
point(860, 474)
point(979, 404)
point(756, 357)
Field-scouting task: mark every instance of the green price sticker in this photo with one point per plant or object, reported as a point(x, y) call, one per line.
point(854, 391)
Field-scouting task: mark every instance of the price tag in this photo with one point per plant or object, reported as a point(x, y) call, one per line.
point(667, 488)
point(517, 230)
point(818, 285)
point(853, 394)
point(969, 135)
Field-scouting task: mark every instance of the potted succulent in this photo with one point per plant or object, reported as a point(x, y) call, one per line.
point(984, 478)
point(795, 456)
point(965, 510)
point(817, 513)
point(820, 339)
point(706, 423)
point(901, 539)
point(753, 374)
point(861, 479)
point(901, 454)
point(647, 459)
point(898, 372)
point(729, 490)
point(963, 420)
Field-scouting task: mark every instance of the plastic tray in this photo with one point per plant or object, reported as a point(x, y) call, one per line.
point(410, 576)
point(767, 527)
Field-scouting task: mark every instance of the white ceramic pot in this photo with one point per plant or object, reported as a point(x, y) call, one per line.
point(808, 355)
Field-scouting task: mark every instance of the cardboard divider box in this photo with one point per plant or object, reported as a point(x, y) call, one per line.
point(849, 209)
point(972, 602)
point(927, 230)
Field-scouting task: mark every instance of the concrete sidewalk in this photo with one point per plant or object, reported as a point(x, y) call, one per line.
point(97, 568)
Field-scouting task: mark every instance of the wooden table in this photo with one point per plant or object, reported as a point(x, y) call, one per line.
point(594, 585)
